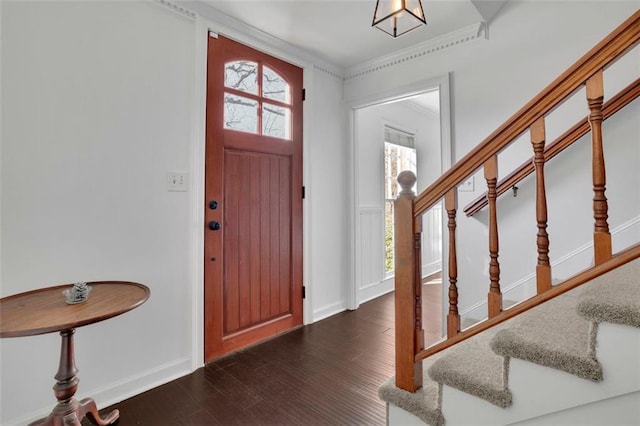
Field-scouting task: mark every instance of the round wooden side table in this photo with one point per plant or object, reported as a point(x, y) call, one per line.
point(45, 311)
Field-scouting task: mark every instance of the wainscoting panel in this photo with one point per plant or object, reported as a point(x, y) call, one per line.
point(562, 268)
point(432, 241)
point(372, 272)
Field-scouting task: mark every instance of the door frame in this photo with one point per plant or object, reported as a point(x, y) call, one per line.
point(205, 28)
point(442, 83)
point(268, 167)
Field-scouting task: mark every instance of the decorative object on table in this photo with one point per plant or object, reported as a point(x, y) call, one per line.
point(77, 294)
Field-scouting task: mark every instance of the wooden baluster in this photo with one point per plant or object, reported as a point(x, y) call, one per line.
point(408, 295)
point(601, 235)
point(453, 317)
point(417, 282)
point(543, 268)
point(494, 297)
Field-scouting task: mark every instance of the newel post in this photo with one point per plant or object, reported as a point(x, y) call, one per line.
point(408, 294)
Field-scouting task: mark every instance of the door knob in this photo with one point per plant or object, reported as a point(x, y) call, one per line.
point(214, 226)
point(213, 204)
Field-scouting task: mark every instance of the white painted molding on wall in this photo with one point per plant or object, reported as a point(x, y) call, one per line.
point(431, 268)
point(562, 268)
point(370, 209)
point(441, 83)
point(257, 39)
point(454, 38)
point(244, 33)
point(124, 389)
point(329, 310)
point(196, 195)
point(375, 290)
point(372, 273)
point(334, 74)
point(183, 11)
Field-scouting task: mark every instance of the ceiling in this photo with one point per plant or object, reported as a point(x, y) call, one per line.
point(429, 101)
point(340, 31)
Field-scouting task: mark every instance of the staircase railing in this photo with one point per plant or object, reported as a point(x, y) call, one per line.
point(587, 71)
point(581, 128)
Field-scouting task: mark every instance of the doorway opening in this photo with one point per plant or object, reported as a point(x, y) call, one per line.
point(407, 130)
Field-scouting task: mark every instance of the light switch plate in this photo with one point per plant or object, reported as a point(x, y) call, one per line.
point(177, 181)
point(467, 185)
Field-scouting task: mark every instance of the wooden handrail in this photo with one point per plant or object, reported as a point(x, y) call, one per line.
point(581, 128)
point(622, 39)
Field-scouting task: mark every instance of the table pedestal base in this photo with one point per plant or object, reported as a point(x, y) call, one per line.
point(71, 414)
point(70, 411)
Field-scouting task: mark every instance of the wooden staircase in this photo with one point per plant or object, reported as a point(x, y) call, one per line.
point(586, 73)
point(572, 361)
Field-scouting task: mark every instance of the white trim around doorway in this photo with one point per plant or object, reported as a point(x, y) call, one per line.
point(205, 26)
point(441, 83)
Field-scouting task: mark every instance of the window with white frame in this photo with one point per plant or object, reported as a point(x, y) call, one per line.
point(399, 155)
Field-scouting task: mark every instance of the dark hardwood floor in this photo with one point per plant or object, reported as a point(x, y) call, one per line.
point(327, 373)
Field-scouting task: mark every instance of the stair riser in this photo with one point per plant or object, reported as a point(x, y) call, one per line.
point(398, 416)
point(541, 390)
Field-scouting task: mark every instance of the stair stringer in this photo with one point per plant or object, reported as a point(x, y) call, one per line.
point(619, 410)
point(539, 391)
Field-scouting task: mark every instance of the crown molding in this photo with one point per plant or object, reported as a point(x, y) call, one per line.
point(334, 74)
point(454, 38)
point(254, 37)
point(176, 8)
point(258, 39)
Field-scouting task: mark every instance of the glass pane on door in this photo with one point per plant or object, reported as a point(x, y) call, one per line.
point(240, 113)
point(241, 75)
point(276, 121)
point(274, 86)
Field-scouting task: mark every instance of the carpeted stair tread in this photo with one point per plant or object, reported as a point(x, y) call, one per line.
point(424, 404)
point(473, 368)
point(553, 335)
point(614, 297)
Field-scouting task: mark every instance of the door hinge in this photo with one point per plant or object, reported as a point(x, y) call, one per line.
point(304, 192)
point(304, 94)
point(304, 292)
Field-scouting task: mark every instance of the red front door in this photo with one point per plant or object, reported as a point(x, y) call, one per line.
point(253, 190)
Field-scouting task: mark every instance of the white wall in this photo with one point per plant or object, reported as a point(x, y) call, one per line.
point(98, 103)
point(530, 44)
point(370, 122)
point(327, 192)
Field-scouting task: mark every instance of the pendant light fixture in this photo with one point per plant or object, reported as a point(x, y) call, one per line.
point(397, 17)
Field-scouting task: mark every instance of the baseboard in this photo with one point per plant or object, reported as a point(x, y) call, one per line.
point(374, 290)
point(329, 310)
point(123, 389)
point(431, 268)
point(561, 268)
point(380, 288)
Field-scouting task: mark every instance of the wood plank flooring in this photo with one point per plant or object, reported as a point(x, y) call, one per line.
point(327, 373)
